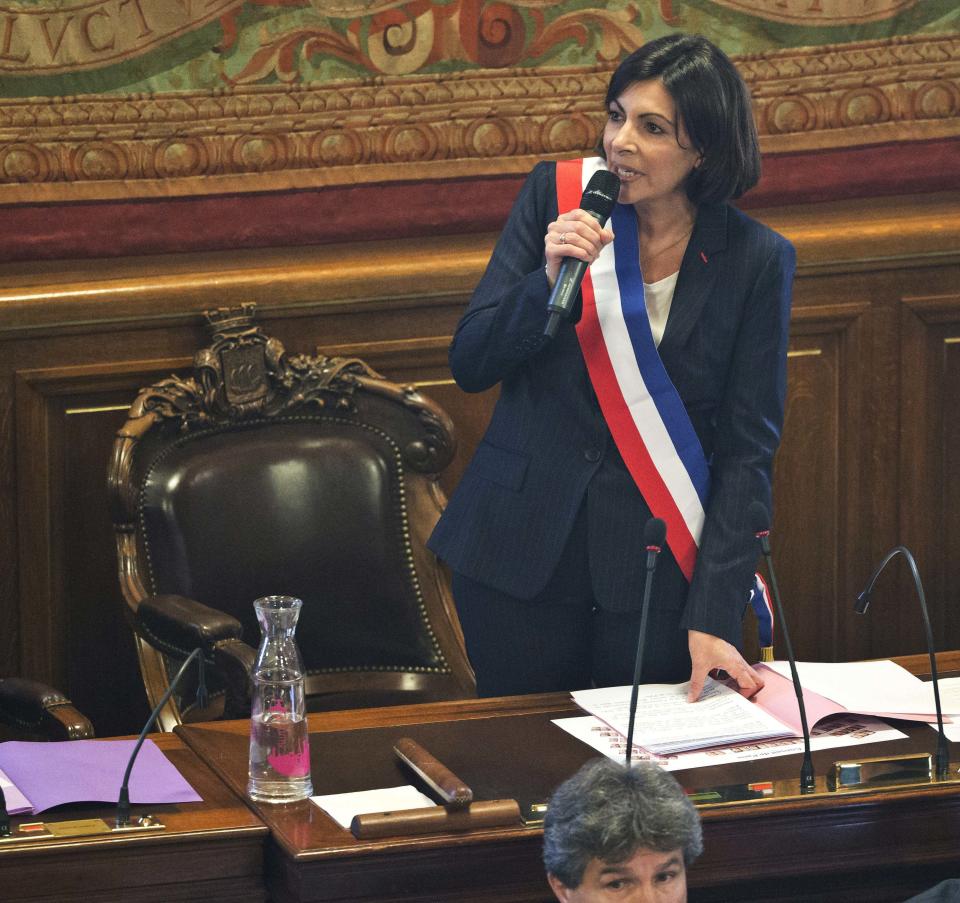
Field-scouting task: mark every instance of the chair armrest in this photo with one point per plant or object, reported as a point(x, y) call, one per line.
point(40, 709)
point(176, 625)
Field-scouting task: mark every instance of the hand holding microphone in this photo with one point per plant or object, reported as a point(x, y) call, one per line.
point(574, 241)
point(574, 235)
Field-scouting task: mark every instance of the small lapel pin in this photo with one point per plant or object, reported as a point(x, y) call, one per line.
point(703, 257)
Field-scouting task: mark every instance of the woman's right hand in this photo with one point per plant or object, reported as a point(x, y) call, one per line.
point(574, 234)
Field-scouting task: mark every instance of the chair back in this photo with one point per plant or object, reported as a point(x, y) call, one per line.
point(267, 474)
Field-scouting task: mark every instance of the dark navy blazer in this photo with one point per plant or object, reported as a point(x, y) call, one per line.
point(547, 451)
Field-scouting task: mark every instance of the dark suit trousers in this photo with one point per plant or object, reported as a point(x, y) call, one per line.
point(561, 640)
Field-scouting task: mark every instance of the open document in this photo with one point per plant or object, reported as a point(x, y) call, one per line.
point(666, 723)
point(831, 733)
point(879, 688)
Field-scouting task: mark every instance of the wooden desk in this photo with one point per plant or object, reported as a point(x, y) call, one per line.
point(873, 847)
point(211, 851)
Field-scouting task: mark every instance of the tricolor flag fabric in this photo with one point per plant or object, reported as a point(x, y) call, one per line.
point(760, 601)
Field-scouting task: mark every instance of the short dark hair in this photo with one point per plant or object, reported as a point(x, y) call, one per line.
point(608, 812)
point(714, 104)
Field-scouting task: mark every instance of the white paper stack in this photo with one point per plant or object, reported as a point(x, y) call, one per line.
point(666, 723)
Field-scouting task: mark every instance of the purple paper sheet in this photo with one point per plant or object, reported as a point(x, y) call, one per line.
point(87, 771)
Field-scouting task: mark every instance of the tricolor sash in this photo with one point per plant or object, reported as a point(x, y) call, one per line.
point(640, 404)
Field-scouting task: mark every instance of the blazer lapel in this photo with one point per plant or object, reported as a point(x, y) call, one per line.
point(698, 275)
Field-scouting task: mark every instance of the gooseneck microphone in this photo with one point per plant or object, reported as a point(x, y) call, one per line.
point(598, 200)
point(4, 816)
point(654, 536)
point(760, 523)
point(861, 606)
point(123, 803)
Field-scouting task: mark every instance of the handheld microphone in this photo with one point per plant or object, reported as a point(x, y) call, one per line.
point(598, 200)
point(760, 524)
point(654, 536)
point(123, 803)
point(861, 606)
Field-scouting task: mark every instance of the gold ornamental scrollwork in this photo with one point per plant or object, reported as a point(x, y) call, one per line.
point(409, 127)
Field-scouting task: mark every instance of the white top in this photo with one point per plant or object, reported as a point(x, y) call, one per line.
point(658, 296)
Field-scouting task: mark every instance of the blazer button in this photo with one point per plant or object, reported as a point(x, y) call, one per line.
point(592, 455)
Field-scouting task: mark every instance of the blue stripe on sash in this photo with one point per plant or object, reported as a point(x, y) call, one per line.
point(664, 394)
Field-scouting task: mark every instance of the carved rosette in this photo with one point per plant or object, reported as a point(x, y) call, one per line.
point(470, 123)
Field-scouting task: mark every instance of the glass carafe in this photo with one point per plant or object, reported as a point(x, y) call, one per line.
point(279, 745)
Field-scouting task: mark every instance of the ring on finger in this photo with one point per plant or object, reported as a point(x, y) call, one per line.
point(563, 238)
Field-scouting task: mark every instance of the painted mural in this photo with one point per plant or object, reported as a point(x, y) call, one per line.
point(59, 47)
point(136, 98)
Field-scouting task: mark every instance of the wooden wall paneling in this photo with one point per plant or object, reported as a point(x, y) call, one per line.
point(9, 532)
point(41, 652)
point(929, 516)
point(874, 254)
point(949, 590)
point(104, 686)
point(72, 619)
point(874, 516)
point(815, 480)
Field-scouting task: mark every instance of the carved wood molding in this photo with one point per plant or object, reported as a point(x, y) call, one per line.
point(469, 124)
point(860, 93)
point(933, 309)
point(822, 319)
point(841, 237)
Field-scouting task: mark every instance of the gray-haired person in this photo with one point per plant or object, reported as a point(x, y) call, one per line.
point(624, 834)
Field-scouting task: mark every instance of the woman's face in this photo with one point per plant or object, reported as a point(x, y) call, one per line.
point(646, 144)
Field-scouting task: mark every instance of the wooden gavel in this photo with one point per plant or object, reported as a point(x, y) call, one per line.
point(459, 811)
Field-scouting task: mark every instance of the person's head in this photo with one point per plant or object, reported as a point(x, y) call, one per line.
point(712, 118)
point(624, 834)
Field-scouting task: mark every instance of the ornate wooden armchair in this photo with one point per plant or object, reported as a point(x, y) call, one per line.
point(270, 473)
point(33, 711)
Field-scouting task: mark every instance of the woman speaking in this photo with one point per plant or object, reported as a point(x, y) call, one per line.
point(661, 396)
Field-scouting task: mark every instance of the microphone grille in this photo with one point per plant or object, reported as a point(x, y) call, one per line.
point(655, 532)
point(759, 518)
point(600, 195)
